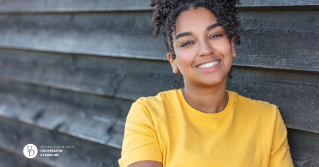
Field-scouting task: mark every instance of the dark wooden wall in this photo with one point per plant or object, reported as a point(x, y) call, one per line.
point(69, 71)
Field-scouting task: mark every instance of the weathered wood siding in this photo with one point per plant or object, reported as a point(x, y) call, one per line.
point(69, 71)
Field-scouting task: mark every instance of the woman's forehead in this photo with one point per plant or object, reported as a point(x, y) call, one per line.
point(192, 19)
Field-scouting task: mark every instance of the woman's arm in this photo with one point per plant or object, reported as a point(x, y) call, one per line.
point(140, 144)
point(147, 164)
point(280, 152)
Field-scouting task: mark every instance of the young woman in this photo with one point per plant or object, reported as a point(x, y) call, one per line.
point(203, 124)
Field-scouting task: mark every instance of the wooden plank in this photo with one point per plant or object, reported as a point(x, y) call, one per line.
point(124, 34)
point(295, 93)
point(304, 148)
point(113, 77)
point(286, 40)
point(26, 6)
point(10, 159)
point(94, 118)
point(256, 3)
point(278, 8)
point(15, 135)
point(128, 34)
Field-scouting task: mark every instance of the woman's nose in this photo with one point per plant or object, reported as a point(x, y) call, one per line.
point(205, 48)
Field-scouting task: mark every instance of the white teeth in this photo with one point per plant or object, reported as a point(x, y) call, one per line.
point(208, 65)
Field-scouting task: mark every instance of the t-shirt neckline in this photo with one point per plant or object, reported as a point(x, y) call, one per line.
point(220, 114)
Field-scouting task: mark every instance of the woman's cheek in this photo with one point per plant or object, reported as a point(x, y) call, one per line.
point(187, 56)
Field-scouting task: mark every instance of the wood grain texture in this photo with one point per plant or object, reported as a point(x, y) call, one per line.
point(278, 2)
point(107, 76)
point(304, 147)
point(25, 6)
point(286, 40)
point(124, 34)
point(10, 159)
point(296, 93)
point(15, 135)
point(88, 117)
point(269, 39)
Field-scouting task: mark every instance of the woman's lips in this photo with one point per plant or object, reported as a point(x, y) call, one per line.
point(209, 66)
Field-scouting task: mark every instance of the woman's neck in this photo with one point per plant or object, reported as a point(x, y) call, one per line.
point(206, 99)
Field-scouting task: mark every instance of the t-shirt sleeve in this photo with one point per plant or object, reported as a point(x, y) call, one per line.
point(280, 152)
point(140, 141)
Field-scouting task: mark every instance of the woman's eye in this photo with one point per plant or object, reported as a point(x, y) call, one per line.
point(216, 36)
point(186, 43)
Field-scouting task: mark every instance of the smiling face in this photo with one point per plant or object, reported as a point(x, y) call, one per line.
point(203, 51)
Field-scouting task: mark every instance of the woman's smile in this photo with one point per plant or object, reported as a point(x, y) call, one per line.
point(208, 66)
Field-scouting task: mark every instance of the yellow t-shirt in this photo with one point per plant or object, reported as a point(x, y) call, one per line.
point(165, 128)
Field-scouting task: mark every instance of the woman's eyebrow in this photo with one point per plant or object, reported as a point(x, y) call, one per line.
point(213, 26)
point(183, 34)
point(189, 33)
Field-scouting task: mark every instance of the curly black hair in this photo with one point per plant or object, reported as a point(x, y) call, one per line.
point(167, 11)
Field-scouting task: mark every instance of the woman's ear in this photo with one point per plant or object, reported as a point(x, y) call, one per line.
point(232, 43)
point(172, 61)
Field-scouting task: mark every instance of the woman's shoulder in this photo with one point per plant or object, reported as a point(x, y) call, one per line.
point(160, 98)
point(155, 106)
point(254, 111)
point(254, 106)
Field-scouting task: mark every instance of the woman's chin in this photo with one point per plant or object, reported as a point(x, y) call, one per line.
point(216, 81)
